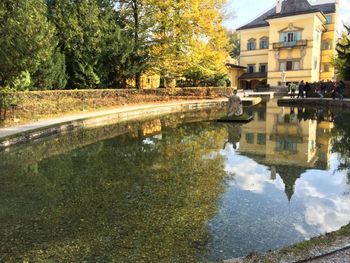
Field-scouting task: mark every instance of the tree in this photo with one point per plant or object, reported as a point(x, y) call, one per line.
point(51, 74)
point(342, 63)
point(189, 36)
point(27, 39)
point(136, 20)
point(234, 44)
point(80, 36)
point(117, 48)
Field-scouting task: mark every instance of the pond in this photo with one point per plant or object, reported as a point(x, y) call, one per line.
point(180, 188)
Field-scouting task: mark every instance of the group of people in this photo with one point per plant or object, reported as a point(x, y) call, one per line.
point(334, 89)
point(303, 89)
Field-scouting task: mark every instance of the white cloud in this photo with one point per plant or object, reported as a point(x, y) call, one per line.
point(344, 13)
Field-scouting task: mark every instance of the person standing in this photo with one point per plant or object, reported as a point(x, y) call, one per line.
point(334, 91)
point(322, 89)
point(301, 89)
point(307, 88)
point(292, 88)
point(340, 89)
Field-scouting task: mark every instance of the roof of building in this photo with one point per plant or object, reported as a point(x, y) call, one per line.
point(290, 8)
point(254, 75)
point(235, 66)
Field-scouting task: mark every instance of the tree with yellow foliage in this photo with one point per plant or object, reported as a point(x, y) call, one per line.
point(188, 37)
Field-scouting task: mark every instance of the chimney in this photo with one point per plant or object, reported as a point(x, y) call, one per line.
point(278, 6)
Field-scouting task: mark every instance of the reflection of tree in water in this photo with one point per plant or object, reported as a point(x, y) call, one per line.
point(121, 199)
point(341, 140)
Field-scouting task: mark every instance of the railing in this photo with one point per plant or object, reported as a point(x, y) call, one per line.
point(299, 43)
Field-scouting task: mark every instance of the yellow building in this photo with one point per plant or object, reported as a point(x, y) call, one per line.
point(294, 37)
point(149, 80)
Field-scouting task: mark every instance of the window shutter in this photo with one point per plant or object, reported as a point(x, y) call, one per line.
point(282, 66)
point(296, 65)
point(283, 37)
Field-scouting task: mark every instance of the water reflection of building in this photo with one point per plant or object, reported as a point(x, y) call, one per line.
point(287, 140)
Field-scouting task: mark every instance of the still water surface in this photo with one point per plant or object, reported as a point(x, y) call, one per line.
point(180, 188)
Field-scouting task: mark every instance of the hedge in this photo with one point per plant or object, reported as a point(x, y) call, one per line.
point(35, 105)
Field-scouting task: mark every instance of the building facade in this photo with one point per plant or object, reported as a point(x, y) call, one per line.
point(294, 37)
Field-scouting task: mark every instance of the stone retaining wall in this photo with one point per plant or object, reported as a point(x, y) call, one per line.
point(108, 119)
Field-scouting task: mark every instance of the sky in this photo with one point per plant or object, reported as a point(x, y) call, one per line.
point(244, 11)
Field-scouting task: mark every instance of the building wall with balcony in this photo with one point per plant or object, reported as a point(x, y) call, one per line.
point(303, 54)
point(304, 58)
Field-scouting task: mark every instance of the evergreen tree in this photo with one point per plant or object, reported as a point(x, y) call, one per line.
point(234, 44)
point(51, 74)
point(27, 39)
point(343, 48)
point(117, 48)
point(80, 36)
point(136, 20)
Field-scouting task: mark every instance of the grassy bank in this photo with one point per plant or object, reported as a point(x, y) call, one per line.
point(37, 105)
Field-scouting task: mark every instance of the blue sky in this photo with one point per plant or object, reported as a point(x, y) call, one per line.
point(246, 10)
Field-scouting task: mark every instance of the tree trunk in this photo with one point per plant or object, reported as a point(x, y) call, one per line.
point(136, 42)
point(138, 80)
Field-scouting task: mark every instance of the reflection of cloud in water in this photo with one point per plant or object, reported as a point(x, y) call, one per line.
point(255, 213)
point(321, 193)
point(326, 205)
point(248, 174)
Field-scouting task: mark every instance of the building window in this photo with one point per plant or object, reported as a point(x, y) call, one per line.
point(289, 65)
point(263, 68)
point(261, 138)
point(329, 19)
point(264, 43)
point(290, 36)
point(296, 65)
point(286, 144)
point(262, 115)
point(325, 67)
point(251, 44)
point(282, 66)
point(251, 68)
point(327, 44)
point(249, 137)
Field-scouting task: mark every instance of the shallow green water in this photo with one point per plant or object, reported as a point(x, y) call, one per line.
point(180, 188)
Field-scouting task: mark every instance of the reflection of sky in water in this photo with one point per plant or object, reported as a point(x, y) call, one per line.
point(255, 213)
